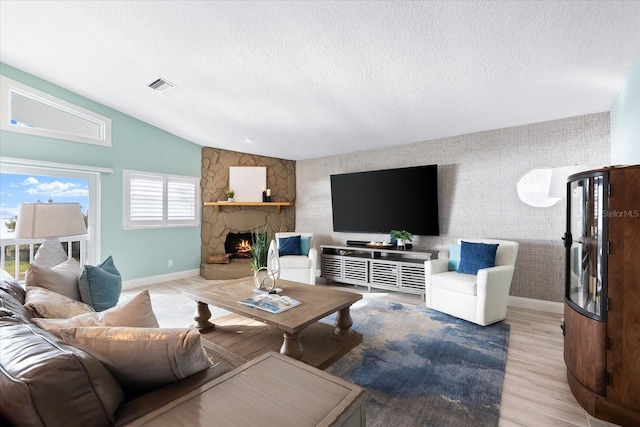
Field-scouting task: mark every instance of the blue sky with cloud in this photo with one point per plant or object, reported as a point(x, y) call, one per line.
point(16, 189)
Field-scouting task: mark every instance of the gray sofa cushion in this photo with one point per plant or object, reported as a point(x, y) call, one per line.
point(11, 309)
point(62, 278)
point(142, 359)
point(11, 286)
point(45, 382)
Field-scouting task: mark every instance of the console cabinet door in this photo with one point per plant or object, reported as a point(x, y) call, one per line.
point(345, 269)
point(331, 267)
point(585, 349)
point(412, 278)
point(384, 274)
point(586, 277)
point(623, 317)
point(356, 271)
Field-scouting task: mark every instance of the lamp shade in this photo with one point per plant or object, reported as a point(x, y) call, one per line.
point(47, 220)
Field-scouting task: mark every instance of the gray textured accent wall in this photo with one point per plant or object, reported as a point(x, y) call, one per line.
point(477, 191)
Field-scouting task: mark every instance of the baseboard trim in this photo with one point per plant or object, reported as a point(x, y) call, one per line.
point(145, 281)
point(536, 304)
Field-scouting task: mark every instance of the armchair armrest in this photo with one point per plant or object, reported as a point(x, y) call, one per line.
point(313, 257)
point(493, 284)
point(436, 266)
point(496, 277)
point(430, 268)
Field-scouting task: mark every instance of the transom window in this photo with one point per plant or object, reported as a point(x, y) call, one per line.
point(27, 110)
point(159, 200)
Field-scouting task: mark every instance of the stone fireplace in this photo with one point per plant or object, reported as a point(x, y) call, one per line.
point(236, 243)
point(216, 226)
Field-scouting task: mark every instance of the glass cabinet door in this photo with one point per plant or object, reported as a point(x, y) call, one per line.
point(586, 245)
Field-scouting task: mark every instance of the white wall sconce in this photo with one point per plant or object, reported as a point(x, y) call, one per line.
point(533, 188)
point(545, 187)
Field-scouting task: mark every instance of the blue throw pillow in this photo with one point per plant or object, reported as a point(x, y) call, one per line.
point(476, 256)
point(100, 285)
point(289, 246)
point(454, 257)
point(305, 245)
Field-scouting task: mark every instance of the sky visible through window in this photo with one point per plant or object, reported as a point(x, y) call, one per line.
point(18, 188)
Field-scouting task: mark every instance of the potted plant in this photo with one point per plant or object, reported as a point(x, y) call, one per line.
point(263, 278)
point(401, 237)
point(230, 193)
point(259, 249)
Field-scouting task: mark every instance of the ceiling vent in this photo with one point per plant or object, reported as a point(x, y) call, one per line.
point(161, 85)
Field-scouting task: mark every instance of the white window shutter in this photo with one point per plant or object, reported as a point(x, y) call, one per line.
point(156, 200)
point(181, 200)
point(146, 199)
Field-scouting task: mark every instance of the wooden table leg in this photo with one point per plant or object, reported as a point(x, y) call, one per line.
point(201, 317)
point(291, 346)
point(343, 324)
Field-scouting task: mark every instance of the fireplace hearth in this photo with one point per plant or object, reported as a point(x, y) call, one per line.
point(238, 245)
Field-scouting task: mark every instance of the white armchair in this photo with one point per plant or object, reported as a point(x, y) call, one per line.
point(298, 268)
point(481, 298)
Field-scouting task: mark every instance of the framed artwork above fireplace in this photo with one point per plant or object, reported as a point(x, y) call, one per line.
point(248, 182)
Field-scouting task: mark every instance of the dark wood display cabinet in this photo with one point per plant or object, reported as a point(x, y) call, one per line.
point(602, 294)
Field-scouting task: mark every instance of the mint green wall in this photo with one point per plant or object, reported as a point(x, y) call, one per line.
point(625, 122)
point(135, 145)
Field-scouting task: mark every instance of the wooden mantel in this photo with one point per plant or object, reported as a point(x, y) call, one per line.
point(278, 205)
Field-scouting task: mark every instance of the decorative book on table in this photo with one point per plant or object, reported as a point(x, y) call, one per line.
point(270, 302)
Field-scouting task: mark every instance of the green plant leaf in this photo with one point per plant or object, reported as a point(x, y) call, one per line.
point(259, 249)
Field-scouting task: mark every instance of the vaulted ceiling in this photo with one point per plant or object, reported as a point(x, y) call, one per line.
point(301, 80)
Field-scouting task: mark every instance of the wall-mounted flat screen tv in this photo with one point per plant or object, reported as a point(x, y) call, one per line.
point(383, 200)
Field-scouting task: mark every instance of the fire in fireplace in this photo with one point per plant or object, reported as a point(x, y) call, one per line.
point(238, 245)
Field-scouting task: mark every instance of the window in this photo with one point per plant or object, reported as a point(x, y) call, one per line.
point(24, 180)
point(157, 200)
point(27, 110)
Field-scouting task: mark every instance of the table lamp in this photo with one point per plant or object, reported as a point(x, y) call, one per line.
point(49, 221)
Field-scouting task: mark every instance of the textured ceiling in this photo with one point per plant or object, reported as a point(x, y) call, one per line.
point(300, 80)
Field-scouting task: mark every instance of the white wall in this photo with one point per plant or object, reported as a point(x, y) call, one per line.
point(477, 191)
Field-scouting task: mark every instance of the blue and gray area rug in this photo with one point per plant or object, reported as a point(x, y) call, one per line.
point(424, 368)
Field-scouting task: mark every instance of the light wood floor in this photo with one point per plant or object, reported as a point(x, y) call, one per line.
point(535, 390)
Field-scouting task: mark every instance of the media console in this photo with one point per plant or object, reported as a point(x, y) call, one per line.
point(401, 271)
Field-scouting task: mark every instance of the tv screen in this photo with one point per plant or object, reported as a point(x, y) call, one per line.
point(384, 200)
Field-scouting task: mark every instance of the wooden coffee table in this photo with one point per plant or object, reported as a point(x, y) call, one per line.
point(250, 332)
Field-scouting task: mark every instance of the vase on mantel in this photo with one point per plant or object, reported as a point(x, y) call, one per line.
point(400, 244)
